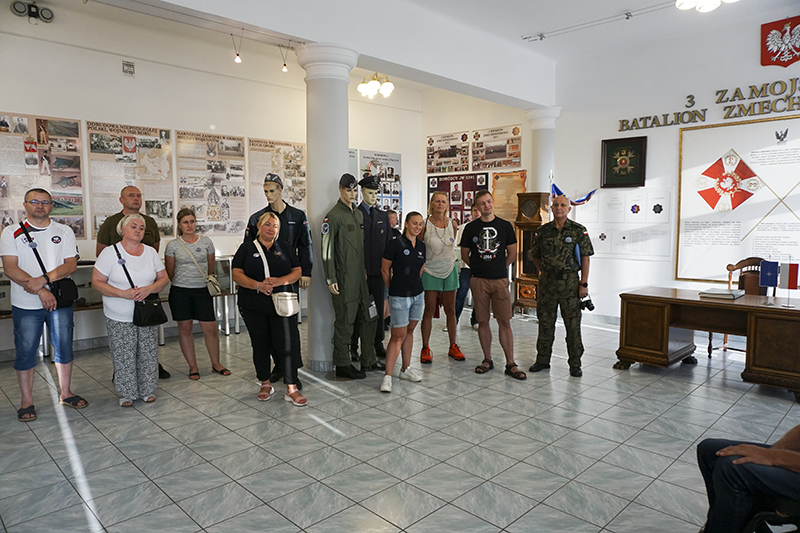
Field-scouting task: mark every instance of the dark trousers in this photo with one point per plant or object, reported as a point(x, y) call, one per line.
point(276, 335)
point(555, 293)
point(377, 289)
point(461, 295)
point(732, 489)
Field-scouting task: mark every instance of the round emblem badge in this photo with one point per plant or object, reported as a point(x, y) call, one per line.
point(568, 239)
point(32, 244)
point(121, 261)
point(198, 250)
point(325, 228)
point(256, 255)
point(406, 252)
point(475, 240)
point(56, 239)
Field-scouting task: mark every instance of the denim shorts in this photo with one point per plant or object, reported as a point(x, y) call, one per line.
point(28, 325)
point(406, 308)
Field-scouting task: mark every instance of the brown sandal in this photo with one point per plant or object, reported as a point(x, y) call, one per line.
point(484, 367)
point(516, 374)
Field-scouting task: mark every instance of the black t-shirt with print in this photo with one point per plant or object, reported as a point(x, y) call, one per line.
point(407, 262)
point(488, 243)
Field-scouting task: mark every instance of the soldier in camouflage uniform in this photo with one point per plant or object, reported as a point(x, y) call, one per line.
point(345, 274)
point(555, 251)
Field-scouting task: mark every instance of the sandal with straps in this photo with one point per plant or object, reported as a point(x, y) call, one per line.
point(516, 374)
point(484, 367)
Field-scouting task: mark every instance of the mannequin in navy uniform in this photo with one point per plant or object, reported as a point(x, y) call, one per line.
point(377, 234)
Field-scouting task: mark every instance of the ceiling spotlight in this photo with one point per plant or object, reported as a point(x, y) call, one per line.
point(283, 56)
point(284, 69)
point(32, 11)
point(237, 49)
point(372, 85)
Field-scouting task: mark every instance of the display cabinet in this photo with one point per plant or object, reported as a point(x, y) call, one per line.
point(533, 211)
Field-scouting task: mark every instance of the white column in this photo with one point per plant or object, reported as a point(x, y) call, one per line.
point(543, 144)
point(327, 69)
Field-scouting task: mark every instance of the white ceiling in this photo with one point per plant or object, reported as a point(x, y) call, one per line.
point(608, 29)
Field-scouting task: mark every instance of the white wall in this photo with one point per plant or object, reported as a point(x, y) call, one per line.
point(185, 79)
point(596, 92)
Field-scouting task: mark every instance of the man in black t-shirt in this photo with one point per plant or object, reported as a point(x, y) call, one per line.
point(489, 246)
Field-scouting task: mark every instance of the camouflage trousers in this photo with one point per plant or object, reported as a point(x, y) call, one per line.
point(552, 295)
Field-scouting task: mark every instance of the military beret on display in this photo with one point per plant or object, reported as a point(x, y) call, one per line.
point(273, 178)
point(370, 182)
point(348, 181)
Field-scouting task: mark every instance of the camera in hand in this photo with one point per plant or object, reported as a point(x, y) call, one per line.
point(586, 303)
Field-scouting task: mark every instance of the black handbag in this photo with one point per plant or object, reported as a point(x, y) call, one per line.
point(148, 312)
point(65, 290)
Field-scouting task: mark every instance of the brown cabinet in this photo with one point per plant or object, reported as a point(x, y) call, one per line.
point(533, 211)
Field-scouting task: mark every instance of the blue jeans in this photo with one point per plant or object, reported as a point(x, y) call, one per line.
point(28, 325)
point(461, 295)
point(731, 488)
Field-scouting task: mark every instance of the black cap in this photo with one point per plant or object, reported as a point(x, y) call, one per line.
point(370, 182)
point(348, 181)
point(273, 178)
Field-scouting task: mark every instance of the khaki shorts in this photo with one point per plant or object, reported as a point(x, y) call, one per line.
point(495, 291)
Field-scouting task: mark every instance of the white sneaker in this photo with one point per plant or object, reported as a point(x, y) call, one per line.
point(444, 328)
point(476, 327)
point(410, 374)
point(386, 386)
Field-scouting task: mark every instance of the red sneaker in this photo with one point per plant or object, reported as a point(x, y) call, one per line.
point(425, 356)
point(455, 352)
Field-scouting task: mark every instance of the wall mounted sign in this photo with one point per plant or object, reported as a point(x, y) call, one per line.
point(623, 162)
point(780, 42)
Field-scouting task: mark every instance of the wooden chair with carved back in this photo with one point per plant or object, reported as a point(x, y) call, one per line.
point(749, 271)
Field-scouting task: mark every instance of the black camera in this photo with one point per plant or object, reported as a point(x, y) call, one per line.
point(586, 303)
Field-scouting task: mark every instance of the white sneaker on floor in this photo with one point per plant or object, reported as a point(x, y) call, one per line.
point(476, 327)
point(444, 328)
point(386, 386)
point(410, 374)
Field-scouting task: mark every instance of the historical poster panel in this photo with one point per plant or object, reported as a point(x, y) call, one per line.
point(739, 196)
point(461, 190)
point(505, 187)
point(387, 167)
point(497, 148)
point(448, 153)
point(41, 152)
point(211, 180)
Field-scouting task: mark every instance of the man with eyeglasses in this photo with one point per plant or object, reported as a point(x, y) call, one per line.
point(32, 303)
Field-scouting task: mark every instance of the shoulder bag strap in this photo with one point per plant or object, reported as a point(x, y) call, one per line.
point(263, 255)
point(124, 268)
point(204, 274)
point(35, 251)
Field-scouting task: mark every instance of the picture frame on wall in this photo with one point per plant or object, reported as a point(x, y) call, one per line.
point(623, 162)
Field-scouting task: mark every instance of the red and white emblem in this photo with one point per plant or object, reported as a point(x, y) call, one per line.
point(129, 145)
point(780, 42)
point(727, 183)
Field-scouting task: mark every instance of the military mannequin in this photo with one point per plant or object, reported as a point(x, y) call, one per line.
point(377, 234)
point(294, 230)
point(343, 262)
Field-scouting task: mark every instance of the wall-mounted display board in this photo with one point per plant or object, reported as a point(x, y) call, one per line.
point(739, 195)
point(120, 156)
point(206, 164)
point(461, 190)
point(505, 188)
point(287, 160)
point(388, 167)
point(448, 153)
point(497, 148)
point(41, 152)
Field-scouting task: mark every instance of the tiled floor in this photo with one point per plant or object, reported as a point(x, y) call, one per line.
point(612, 451)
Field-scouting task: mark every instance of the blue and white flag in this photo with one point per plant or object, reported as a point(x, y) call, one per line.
point(555, 191)
point(768, 276)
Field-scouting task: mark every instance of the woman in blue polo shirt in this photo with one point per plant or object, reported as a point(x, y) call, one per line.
point(402, 265)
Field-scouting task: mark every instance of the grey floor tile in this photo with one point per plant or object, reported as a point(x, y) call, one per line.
point(76, 518)
point(311, 504)
point(444, 518)
point(636, 518)
point(482, 462)
point(355, 518)
point(366, 445)
point(275, 482)
point(445, 482)
point(219, 446)
point(324, 462)
point(191, 481)
point(675, 501)
point(637, 460)
point(494, 504)
point(255, 520)
point(560, 461)
point(615, 480)
point(586, 444)
point(246, 462)
point(402, 462)
point(169, 461)
point(440, 446)
point(219, 504)
point(169, 518)
point(128, 503)
point(294, 445)
point(530, 481)
point(30, 478)
point(587, 503)
point(38, 502)
point(360, 482)
point(404, 431)
point(402, 504)
point(108, 480)
point(545, 519)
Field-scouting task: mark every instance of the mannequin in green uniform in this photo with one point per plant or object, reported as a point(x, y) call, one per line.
point(345, 274)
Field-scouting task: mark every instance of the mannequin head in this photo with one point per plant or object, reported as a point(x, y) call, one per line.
point(348, 189)
point(369, 188)
point(273, 188)
point(370, 196)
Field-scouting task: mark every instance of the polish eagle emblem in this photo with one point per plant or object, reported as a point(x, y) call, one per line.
point(786, 45)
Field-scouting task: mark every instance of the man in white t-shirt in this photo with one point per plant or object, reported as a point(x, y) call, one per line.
point(32, 303)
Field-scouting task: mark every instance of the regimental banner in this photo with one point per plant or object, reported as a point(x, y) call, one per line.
point(287, 160)
point(206, 164)
point(505, 187)
point(122, 156)
point(448, 153)
point(739, 196)
point(41, 152)
point(780, 42)
point(497, 148)
point(388, 167)
point(461, 191)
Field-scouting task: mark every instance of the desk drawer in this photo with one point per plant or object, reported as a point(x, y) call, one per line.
point(716, 319)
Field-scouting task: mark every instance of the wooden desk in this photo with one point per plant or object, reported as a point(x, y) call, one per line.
point(656, 327)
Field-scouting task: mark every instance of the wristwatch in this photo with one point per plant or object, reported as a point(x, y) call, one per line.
point(586, 285)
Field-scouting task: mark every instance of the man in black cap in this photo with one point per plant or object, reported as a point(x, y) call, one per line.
point(295, 232)
point(343, 261)
point(377, 234)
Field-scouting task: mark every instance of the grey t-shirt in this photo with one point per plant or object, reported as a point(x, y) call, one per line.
point(186, 273)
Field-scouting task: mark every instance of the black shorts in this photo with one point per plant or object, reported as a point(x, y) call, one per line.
point(191, 304)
